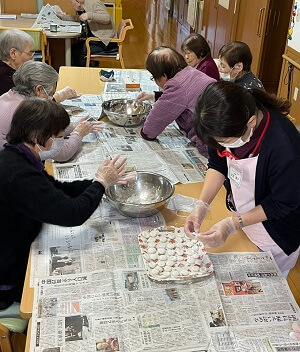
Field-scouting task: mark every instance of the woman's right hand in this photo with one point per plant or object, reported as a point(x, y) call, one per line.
point(144, 96)
point(112, 172)
point(195, 219)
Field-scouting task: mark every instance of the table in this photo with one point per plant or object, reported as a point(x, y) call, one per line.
point(28, 22)
point(87, 80)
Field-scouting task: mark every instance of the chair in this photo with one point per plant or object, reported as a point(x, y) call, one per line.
point(124, 26)
point(40, 45)
point(12, 327)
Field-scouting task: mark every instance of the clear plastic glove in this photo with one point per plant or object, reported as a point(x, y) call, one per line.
point(65, 93)
point(218, 233)
point(295, 334)
point(144, 96)
point(195, 219)
point(83, 128)
point(111, 172)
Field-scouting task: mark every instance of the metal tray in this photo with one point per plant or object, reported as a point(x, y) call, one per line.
point(186, 267)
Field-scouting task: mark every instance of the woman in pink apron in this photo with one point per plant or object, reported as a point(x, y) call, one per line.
point(254, 150)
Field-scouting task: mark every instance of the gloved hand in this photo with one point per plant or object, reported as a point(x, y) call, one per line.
point(295, 334)
point(218, 233)
point(83, 128)
point(195, 219)
point(111, 172)
point(65, 93)
point(144, 96)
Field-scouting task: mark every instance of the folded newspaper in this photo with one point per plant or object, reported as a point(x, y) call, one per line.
point(48, 16)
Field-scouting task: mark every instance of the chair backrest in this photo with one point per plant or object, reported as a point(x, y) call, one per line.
point(124, 26)
point(38, 36)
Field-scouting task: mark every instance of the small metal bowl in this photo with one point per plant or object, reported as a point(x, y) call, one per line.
point(123, 112)
point(142, 197)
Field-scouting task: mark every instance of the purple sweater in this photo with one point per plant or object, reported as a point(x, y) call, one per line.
point(209, 67)
point(178, 102)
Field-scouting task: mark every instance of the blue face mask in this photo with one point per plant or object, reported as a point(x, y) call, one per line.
point(56, 147)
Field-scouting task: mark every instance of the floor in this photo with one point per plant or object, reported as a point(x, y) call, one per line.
point(152, 28)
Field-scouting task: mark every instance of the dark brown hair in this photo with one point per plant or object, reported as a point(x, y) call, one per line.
point(165, 61)
point(224, 108)
point(36, 120)
point(236, 52)
point(197, 44)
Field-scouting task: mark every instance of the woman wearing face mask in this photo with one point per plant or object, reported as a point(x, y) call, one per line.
point(29, 196)
point(235, 61)
point(37, 79)
point(255, 150)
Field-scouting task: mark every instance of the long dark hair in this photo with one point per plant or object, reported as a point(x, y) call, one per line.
point(165, 61)
point(36, 120)
point(224, 108)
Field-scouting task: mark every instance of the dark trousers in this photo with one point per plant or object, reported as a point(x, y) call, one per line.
point(79, 51)
point(8, 297)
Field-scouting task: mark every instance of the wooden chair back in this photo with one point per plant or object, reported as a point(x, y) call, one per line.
point(124, 26)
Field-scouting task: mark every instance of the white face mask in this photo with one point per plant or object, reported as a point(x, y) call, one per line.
point(225, 76)
point(238, 143)
point(56, 146)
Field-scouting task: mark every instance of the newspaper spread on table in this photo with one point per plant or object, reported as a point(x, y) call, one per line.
point(245, 306)
point(171, 155)
point(48, 16)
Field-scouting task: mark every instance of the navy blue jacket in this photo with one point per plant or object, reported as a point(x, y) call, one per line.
point(29, 197)
point(277, 181)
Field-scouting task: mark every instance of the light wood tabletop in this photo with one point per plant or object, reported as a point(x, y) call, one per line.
point(87, 81)
point(20, 22)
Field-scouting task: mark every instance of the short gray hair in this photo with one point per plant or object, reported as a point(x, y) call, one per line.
point(31, 74)
point(13, 38)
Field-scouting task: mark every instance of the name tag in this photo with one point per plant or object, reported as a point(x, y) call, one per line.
point(235, 175)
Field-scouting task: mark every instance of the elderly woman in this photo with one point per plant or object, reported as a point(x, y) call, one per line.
point(37, 79)
point(181, 85)
point(15, 49)
point(29, 196)
point(98, 24)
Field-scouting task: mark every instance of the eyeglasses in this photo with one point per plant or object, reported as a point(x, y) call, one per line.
point(151, 78)
point(31, 53)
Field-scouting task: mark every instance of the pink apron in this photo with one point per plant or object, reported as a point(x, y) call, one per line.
point(242, 179)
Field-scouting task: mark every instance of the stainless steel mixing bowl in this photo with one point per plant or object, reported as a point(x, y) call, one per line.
point(142, 197)
point(124, 112)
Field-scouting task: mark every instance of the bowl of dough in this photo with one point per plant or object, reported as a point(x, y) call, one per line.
point(144, 196)
point(126, 112)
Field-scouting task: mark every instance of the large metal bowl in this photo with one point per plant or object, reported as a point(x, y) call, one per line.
point(142, 197)
point(124, 112)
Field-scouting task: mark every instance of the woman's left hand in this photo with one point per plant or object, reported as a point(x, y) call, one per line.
point(217, 234)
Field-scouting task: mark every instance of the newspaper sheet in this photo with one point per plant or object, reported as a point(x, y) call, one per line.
point(85, 104)
point(48, 16)
point(245, 306)
point(108, 240)
point(171, 155)
point(118, 310)
point(142, 77)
